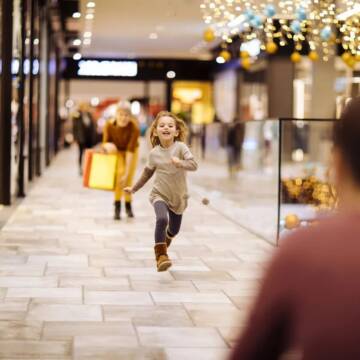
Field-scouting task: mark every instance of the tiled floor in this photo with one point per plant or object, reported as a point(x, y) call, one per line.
point(76, 285)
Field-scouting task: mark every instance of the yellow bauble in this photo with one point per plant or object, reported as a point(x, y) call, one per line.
point(346, 56)
point(292, 221)
point(351, 62)
point(313, 56)
point(271, 47)
point(295, 57)
point(225, 55)
point(246, 63)
point(244, 54)
point(209, 35)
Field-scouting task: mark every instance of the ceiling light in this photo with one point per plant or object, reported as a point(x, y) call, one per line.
point(346, 14)
point(36, 41)
point(89, 16)
point(220, 60)
point(76, 15)
point(77, 42)
point(87, 41)
point(171, 74)
point(90, 4)
point(77, 56)
point(153, 36)
point(87, 34)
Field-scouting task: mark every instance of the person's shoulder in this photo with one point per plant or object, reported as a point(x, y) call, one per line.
point(154, 150)
point(182, 145)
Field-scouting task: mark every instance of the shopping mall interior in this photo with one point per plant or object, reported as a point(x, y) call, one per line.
point(259, 84)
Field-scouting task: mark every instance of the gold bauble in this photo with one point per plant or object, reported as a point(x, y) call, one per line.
point(244, 54)
point(246, 63)
point(292, 221)
point(209, 35)
point(271, 47)
point(346, 56)
point(295, 57)
point(313, 56)
point(225, 55)
point(351, 62)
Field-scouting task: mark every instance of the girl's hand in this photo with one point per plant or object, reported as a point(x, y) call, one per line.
point(176, 161)
point(129, 190)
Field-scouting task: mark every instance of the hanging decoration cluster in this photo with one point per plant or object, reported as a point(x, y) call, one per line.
point(320, 25)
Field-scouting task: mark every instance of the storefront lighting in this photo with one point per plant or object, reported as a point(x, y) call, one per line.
point(89, 16)
point(107, 68)
point(153, 36)
point(76, 15)
point(36, 41)
point(69, 103)
point(135, 108)
point(77, 42)
point(87, 34)
point(171, 74)
point(90, 4)
point(77, 56)
point(95, 101)
point(220, 60)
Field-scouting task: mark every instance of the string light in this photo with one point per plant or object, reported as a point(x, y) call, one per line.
point(322, 24)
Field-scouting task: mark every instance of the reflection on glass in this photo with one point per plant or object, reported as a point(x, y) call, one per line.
point(306, 191)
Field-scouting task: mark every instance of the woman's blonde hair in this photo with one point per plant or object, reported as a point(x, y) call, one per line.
point(180, 127)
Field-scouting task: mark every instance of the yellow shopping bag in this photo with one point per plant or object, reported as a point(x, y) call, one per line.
point(102, 173)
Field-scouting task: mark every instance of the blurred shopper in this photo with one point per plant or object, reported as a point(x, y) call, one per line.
point(169, 159)
point(235, 139)
point(123, 131)
point(309, 300)
point(83, 130)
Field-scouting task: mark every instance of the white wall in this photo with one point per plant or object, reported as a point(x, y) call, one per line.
point(84, 90)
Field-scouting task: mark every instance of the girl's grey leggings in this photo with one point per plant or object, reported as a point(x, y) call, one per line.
point(165, 218)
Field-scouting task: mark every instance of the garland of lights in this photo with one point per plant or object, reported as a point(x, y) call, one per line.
point(319, 23)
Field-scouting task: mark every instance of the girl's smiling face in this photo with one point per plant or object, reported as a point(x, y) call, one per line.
point(166, 130)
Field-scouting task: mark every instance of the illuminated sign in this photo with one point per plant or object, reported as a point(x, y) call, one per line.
point(107, 68)
point(15, 66)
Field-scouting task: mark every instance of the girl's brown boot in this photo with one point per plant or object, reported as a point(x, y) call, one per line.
point(162, 260)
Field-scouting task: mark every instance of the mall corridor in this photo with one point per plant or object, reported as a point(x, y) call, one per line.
point(75, 284)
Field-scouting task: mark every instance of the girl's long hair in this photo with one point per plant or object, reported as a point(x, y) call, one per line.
point(180, 127)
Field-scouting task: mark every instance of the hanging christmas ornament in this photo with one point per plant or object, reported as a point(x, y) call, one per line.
point(295, 57)
point(271, 47)
point(313, 55)
point(246, 63)
point(225, 54)
point(209, 35)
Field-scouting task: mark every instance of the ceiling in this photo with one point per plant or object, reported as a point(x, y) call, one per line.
point(121, 28)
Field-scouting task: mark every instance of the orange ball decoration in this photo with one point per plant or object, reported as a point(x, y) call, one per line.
point(313, 56)
point(209, 35)
point(292, 221)
point(271, 47)
point(295, 57)
point(225, 55)
point(246, 63)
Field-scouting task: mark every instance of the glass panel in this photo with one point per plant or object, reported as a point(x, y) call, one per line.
point(305, 189)
point(15, 126)
point(240, 174)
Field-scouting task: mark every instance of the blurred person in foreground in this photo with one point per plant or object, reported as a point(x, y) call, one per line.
point(84, 130)
point(309, 299)
point(121, 135)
